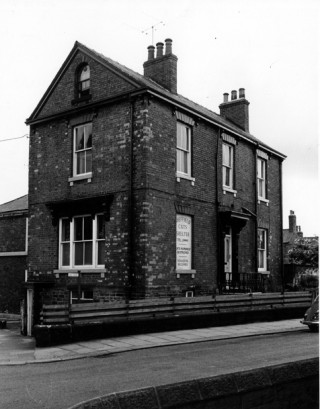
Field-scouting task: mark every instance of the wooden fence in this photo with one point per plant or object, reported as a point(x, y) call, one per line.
point(156, 308)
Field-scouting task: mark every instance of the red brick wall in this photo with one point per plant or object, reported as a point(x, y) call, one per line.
point(269, 217)
point(12, 233)
point(12, 268)
point(104, 84)
point(156, 192)
point(163, 70)
point(237, 111)
point(156, 213)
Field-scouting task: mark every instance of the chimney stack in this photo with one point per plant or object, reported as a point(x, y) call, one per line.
point(163, 68)
point(292, 222)
point(236, 110)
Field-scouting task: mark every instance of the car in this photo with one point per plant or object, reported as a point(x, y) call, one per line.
point(311, 317)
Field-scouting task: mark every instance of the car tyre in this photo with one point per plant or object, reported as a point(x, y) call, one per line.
point(313, 328)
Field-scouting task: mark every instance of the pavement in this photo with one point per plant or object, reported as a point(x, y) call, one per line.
point(16, 349)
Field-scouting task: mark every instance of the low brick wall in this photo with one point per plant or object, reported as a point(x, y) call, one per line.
point(291, 385)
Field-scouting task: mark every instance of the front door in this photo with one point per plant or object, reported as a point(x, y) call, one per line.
point(228, 255)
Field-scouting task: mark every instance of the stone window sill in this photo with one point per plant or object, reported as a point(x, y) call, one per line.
point(229, 190)
point(74, 272)
point(83, 98)
point(192, 272)
point(85, 176)
point(263, 200)
point(264, 272)
point(180, 176)
point(13, 253)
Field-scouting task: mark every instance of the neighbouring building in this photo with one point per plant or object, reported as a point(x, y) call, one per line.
point(136, 191)
point(13, 253)
point(290, 236)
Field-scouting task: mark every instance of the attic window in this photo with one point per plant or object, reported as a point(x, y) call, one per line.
point(83, 81)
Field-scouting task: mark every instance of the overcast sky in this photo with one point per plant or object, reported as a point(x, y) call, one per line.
point(270, 48)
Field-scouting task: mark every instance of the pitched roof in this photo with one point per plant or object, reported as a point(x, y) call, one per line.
point(289, 236)
point(146, 83)
point(19, 204)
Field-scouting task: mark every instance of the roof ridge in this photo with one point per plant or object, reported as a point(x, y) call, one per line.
point(140, 80)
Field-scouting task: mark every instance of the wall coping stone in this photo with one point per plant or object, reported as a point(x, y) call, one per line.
point(205, 390)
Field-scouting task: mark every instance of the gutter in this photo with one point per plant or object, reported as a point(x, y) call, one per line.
point(131, 212)
point(217, 123)
point(172, 101)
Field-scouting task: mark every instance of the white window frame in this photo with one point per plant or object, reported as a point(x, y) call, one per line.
point(95, 244)
point(228, 167)
point(262, 179)
point(76, 152)
point(82, 296)
point(84, 80)
point(181, 151)
point(262, 250)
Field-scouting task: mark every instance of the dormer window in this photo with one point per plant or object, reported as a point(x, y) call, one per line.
point(84, 81)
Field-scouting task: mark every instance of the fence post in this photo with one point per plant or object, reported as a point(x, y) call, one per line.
point(173, 308)
point(68, 312)
point(251, 299)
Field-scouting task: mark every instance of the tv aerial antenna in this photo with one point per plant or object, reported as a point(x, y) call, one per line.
point(152, 29)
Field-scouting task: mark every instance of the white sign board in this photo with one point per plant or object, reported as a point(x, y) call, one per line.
point(184, 240)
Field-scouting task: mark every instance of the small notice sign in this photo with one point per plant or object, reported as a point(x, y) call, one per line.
point(184, 242)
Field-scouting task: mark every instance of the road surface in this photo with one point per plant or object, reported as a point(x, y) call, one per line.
point(63, 384)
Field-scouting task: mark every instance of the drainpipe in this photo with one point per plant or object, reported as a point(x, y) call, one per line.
point(131, 249)
point(256, 211)
point(281, 230)
point(218, 219)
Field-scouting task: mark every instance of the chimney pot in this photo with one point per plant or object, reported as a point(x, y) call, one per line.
point(225, 97)
point(241, 93)
point(151, 52)
point(233, 94)
point(168, 42)
point(159, 49)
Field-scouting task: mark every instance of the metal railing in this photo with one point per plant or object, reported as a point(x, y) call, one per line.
point(244, 283)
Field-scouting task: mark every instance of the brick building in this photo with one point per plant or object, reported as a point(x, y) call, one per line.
point(13, 253)
point(136, 191)
point(290, 237)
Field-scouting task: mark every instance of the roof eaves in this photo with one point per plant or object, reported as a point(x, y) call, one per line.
point(143, 82)
point(19, 204)
point(217, 120)
point(53, 82)
point(114, 66)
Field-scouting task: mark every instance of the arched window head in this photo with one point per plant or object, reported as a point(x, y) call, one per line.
point(84, 80)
